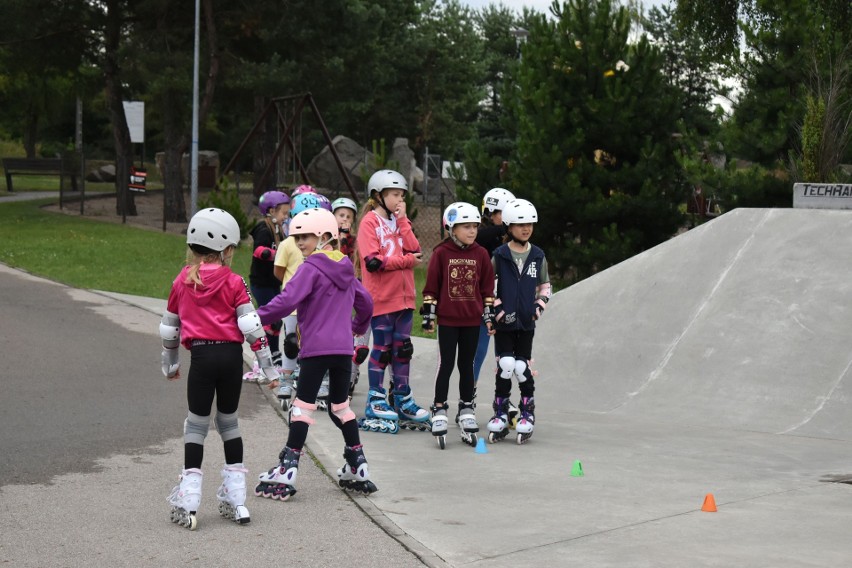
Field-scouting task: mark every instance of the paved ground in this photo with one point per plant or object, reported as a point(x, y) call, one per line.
point(717, 363)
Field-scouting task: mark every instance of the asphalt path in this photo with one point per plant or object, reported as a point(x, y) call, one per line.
point(92, 445)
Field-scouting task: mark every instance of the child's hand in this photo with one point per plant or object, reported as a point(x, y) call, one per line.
point(418, 258)
point(400, 210)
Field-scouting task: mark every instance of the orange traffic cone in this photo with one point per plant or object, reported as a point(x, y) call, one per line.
point(709, 505)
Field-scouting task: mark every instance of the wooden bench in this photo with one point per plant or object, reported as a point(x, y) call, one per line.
point(40, 166)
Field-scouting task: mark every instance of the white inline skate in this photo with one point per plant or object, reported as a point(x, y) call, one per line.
point(379, 416)
point(526, 423)
point(185, 499)
point(498, 426)
point(232, 494)
point(286, 391)
point(410, 414)
point(354, 474)
point(279, 482)
point(439, 425)
point(467, 423)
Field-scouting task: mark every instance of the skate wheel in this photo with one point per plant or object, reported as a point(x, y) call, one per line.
point(442, 442)
point(473, 440)
point(192, 523)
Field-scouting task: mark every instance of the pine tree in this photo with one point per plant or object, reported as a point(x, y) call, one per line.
point(595, 147)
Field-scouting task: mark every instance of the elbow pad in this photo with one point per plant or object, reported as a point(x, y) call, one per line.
point(170, 330)
point(373, 264)
point(249, 323)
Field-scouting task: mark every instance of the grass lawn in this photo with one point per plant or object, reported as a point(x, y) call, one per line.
point(104, 256)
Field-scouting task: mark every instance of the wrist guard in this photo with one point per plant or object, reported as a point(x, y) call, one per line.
point(429, 312)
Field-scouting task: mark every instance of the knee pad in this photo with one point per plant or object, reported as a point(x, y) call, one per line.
point(385, 357)
point(506, 363)
point(520, 370)
point(195, 428)
point(343, 412)
point(228, 426)
point(302, 411)
point(291, 346)
point(406, 350)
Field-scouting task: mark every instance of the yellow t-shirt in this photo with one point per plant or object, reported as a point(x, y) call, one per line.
point(290, 257)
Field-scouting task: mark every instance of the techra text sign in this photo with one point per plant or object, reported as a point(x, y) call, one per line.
point(822, 196)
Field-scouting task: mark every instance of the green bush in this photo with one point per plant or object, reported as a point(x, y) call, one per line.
point(227, 198)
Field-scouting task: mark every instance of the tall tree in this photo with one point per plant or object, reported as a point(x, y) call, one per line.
point(595, 148)
point(113, 28)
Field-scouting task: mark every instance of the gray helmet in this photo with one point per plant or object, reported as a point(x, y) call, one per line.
point(214, 229)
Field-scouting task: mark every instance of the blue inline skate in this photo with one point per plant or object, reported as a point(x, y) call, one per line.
point(379, 416)
point(410, 414)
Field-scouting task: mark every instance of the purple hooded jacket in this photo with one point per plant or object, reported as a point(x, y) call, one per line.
point(324, 290)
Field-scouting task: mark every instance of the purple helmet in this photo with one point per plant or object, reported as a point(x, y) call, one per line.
point(270, 200)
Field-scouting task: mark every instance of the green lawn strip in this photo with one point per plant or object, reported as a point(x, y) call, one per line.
point(94, 255)
point(97, 255)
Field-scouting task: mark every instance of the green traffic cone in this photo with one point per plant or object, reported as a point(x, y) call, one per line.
point(577, 469)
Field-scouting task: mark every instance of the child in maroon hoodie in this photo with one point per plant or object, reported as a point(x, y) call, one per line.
point(325, 291)
point(459, 292)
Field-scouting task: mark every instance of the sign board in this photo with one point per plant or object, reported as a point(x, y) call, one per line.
point(138, 176)
point(135, 113)
point(822, 196)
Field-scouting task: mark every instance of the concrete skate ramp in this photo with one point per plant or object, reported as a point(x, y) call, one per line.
point(742, 323)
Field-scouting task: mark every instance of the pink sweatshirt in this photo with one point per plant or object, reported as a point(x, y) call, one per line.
point(208, 311)
point(393, 244)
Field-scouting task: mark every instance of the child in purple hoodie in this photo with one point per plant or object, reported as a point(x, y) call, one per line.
point(324, 290)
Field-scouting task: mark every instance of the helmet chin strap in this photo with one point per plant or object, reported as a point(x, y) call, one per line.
point(381, 201)
point(458, 242)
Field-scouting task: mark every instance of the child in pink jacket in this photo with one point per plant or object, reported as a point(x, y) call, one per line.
point(388, 252)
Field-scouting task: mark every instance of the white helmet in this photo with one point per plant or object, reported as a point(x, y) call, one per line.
point(496, 199)
point(214, 229)
point(314, 222)
point(385, 179)
point(519, 211)
point(343, 202)
point(458, 213)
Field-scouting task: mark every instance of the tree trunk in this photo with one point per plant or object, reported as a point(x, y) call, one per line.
point(125, 203)
point(177, 139)
point(31, 133)
point(175, 144)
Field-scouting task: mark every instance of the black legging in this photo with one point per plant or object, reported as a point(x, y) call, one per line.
point(517, 344)
point(214, 370)
point(466, 339)
point(311, 372)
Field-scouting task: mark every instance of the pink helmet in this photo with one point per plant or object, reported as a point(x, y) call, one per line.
point(304, 188)
point(314, 222)
point(270, 200)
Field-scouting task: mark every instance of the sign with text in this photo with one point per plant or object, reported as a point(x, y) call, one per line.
point(135, 113)
point(822, 196)
point(138, 177)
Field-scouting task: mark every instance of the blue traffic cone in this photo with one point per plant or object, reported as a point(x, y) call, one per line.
point(481, 448)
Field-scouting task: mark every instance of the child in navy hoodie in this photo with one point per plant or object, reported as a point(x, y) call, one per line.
point(324, 290)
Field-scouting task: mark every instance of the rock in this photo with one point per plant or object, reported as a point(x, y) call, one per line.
point(357, 161)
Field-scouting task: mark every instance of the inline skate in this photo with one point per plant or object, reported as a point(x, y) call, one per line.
point(279, 482)
point(185, 499)
point(498, 426)
point(354, 474)
point(439, 425)
point(379, 416)
point(526, 423)
point(286, 391)
point(232, 494)
point(410, 414)
point(467, 423)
